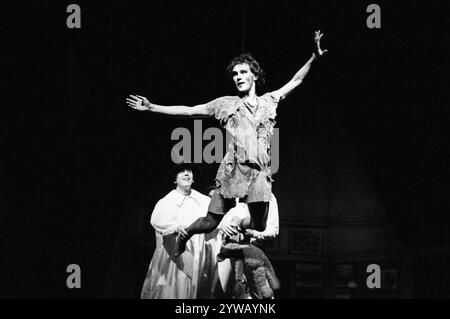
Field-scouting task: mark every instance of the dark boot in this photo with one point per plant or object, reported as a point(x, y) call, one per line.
point(180, 244)
point(202, 225)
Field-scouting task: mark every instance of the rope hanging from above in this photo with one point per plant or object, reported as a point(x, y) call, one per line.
point(243, 26)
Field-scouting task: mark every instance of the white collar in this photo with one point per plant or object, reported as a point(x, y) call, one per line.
point(179, 199)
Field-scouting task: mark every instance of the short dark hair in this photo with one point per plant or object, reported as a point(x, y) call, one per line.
point(181, 167)
point(256, 69)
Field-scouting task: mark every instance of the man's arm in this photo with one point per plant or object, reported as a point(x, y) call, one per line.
point(282, 93)
point(273, 220)
point(141, 103)
point(230, 222)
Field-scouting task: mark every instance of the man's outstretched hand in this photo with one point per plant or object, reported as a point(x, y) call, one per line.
point(139, 103)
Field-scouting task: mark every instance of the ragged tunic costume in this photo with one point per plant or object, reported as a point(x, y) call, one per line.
point(241, 175)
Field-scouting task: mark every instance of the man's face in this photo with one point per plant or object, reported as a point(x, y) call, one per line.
point(243, 77)
point(184, 178)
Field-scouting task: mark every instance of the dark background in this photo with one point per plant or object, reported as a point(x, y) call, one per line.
point(73, 155)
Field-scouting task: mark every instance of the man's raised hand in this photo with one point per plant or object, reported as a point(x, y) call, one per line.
point(317, 36)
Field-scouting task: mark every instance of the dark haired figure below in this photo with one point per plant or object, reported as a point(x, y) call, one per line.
point(245, 170)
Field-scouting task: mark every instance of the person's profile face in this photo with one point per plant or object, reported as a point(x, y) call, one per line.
point(184, 178)
point(243, 77)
